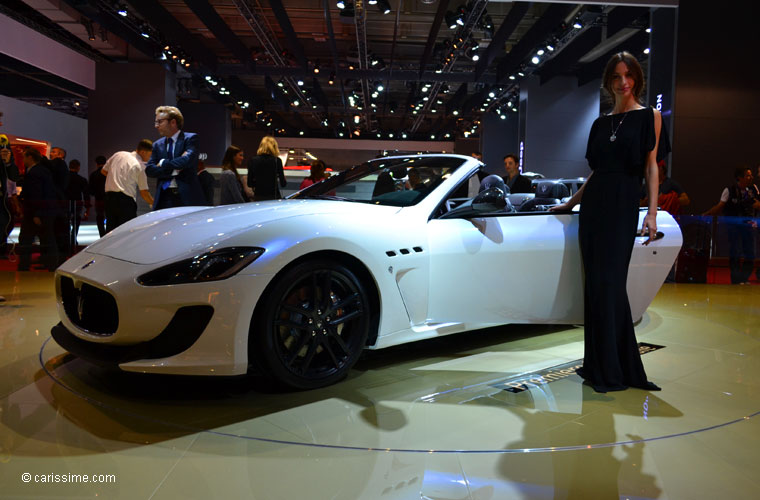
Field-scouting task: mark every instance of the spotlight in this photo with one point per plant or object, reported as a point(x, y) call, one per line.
point(332, 78)
point(487, 26)
point(511, 77)
point(380, 87)
point(296, 102)
point(122, 10)
point(144, 31)
point(535, 60)
point(166, 48)
point(383, 6)
point(403, 135)
point(341, 4)
point(550, 48)
point(357, 119)
point(451, 20)
point(88, 27)
point(540, 52)
point(646, 51)
point(648, 30)
point(372, 2)
point(76, 103)
point(577, 25)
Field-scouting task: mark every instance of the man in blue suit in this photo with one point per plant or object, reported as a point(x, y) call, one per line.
point(174, 162)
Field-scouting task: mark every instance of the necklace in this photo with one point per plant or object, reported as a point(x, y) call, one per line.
point(614, 132)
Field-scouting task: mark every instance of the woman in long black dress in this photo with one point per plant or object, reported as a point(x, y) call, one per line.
point(623, 147)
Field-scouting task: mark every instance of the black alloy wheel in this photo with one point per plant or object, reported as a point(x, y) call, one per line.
point(313, 326)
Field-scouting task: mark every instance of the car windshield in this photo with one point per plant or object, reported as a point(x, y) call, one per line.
point(398, 182)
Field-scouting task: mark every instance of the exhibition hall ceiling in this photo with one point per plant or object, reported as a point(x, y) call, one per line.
point(426, 68)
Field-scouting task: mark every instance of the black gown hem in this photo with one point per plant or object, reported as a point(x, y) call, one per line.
point(601, 388)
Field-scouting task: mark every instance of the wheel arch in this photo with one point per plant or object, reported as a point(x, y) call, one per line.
point(348, 260)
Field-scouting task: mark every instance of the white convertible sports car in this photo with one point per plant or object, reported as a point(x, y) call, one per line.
point(387, 252)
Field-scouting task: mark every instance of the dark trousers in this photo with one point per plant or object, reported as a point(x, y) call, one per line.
point(48, 247)
point(62, 229)
point(100, 216)
point(120, 208)
point(741, 244)
point(6, 226)
point(169, 198)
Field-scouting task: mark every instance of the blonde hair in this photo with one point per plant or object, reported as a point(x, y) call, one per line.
point(172, 113)
point(268, 146)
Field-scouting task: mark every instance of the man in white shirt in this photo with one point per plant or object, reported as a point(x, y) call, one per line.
point(125, 174)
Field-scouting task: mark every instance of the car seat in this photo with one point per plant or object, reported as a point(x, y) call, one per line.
point(548, 193)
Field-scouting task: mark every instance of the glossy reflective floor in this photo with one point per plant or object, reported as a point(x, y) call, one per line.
point(430, 420)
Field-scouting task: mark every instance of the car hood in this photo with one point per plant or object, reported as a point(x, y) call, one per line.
point(166, 234)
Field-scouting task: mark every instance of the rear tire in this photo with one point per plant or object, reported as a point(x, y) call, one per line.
point(313, 325)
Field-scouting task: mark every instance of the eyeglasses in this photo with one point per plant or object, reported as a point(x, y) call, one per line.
point(158, 122)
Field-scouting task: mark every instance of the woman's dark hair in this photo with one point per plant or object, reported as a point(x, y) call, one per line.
point(633, 66)
point(228, 163)
point(317, 172)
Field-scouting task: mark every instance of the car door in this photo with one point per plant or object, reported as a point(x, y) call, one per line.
point(505, 268)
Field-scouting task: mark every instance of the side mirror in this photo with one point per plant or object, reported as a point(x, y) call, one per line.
point(490, 200)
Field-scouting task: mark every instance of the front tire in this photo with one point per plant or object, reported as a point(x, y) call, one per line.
point(313, 325)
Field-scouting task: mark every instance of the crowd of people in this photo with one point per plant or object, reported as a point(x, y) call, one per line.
point(56, 199)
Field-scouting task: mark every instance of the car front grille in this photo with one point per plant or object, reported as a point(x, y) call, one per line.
point(90, 308)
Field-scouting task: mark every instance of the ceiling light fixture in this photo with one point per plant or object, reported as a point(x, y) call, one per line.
point(383, 6)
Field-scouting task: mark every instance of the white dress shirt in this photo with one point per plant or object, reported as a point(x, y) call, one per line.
point(126, 173)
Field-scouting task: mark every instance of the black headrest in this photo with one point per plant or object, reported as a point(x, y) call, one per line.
point(551, 189)
point(493, 180)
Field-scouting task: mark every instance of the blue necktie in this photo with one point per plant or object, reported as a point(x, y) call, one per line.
point(169, 156)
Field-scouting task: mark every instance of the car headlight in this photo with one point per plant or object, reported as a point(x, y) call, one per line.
point(214, 265)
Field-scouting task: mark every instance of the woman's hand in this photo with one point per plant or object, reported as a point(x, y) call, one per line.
point(649, 228)
point(562, 207)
